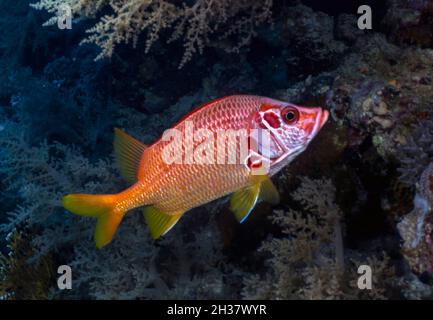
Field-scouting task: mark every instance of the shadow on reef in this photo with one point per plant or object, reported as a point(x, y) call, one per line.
point(355, 196)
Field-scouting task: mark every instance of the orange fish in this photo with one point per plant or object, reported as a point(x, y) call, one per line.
point(230, 145)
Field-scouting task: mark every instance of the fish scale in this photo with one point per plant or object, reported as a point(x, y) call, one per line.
point(169, 183)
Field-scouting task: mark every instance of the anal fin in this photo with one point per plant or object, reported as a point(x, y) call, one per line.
point(159, 222)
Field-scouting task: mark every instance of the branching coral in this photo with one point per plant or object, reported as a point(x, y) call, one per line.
point(309, 262)
point(306, 236)
point(379, 91)
point(195, 23)
point(42, 174)
point(36, 177)
point(137, 268)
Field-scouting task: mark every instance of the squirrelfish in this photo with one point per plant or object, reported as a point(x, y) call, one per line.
point(202, 158)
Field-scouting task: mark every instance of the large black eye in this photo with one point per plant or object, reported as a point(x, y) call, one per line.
point(290, 115)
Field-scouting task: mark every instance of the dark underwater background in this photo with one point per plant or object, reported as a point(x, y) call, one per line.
point(361, 194)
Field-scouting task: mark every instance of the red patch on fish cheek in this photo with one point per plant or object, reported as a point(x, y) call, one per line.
point(272, 119)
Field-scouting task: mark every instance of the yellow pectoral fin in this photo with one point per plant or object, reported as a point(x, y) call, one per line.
point(268, 192)
point(160, 223)
point(243, 201)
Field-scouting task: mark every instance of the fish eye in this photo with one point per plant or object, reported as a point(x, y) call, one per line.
point(290, 115)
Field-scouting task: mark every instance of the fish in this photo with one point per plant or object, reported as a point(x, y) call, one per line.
point(231, 145)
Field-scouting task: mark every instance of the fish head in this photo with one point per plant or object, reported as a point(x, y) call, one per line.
point(291, 128)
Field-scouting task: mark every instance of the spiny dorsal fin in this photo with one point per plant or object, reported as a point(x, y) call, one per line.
point(160, 223)
point(243, 201)
point(128, 153)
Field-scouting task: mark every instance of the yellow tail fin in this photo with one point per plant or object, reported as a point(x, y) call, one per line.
point(98, 206)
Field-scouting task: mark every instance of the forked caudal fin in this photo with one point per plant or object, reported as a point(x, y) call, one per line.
point(101, 207)
point(128, 152)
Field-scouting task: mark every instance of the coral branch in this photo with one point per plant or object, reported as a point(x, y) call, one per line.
point(194, 24)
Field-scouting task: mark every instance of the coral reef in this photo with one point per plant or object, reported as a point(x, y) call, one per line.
point(359, 195)
point(417, 153)
point(382, 97)
point(174, 269)
point(410, 21)
point(309, 261)
point(313, 34)
point(194, 24)
point(20, 280)
point(416, 228)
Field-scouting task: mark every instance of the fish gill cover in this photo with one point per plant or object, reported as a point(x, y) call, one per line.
point(360, 195)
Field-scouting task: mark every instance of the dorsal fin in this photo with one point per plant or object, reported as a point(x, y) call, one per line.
point(128, 152)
